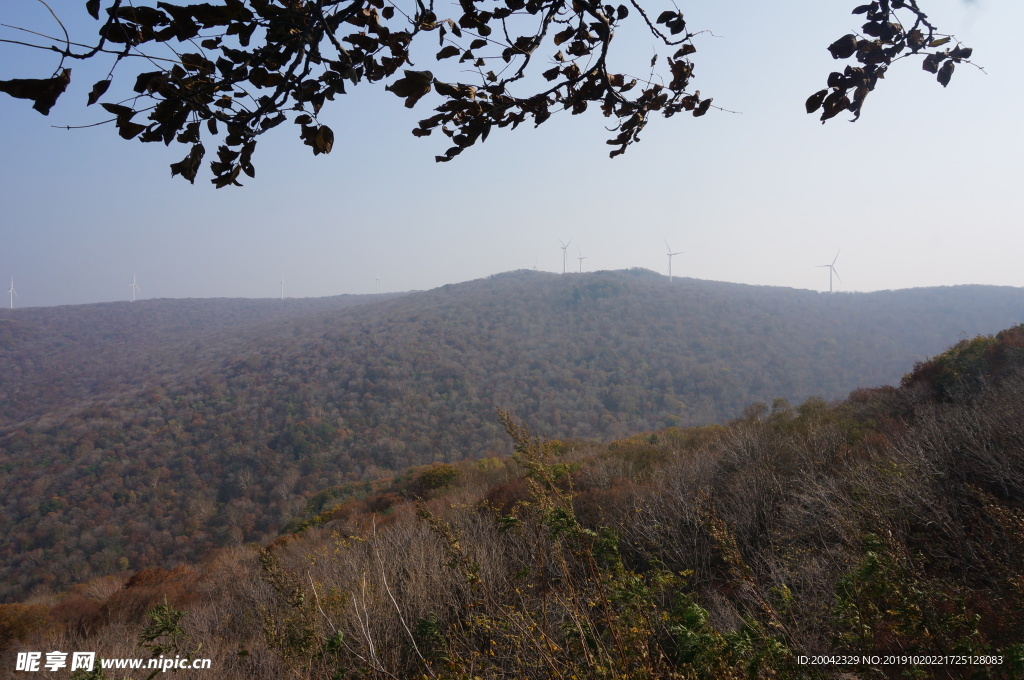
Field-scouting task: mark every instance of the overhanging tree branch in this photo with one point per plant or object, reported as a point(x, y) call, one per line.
point(259, 63)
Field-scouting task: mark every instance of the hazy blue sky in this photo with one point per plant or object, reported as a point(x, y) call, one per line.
point(924, 190)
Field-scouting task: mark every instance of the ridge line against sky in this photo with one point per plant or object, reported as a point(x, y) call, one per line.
point(924, 190)
point(679, 281)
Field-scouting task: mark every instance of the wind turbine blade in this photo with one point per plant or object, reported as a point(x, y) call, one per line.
point(836, 273)
point(837, 256)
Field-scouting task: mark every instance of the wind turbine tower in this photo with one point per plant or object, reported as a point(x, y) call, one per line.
point(282, 287)
point(832, 270)
point(12, 292)
point(581, 258)
point(377, 289)
point(564, 246)
point(135, 287)
point(670, 256)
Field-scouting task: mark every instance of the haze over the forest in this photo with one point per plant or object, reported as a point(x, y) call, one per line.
point(115, 410)
point(883, 526)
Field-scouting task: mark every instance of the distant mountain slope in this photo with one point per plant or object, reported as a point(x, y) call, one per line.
point(220, 435)
point(55, 356)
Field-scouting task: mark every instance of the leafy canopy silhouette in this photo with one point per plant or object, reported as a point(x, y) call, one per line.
point(231, 70)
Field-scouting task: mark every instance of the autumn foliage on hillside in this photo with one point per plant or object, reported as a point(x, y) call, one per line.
point(891, 523)
point(148, 434)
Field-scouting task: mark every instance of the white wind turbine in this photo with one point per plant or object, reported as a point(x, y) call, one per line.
point(670, 256)
point(564, 246)
point(832, 270)
point(135, 287)
point(581, 258)
point(282, 286)
point(377, 289)
point(12, 292)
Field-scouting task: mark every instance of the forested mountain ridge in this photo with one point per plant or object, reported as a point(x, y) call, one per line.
point(877, 537)
point(226, 442)
point(55, 357)
point(58, 356)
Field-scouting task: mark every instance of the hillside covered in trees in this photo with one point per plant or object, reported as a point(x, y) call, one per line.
point(54, 357)
point(148, 434)
point(885, 531)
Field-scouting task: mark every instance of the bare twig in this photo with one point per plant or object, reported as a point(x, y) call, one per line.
point(398, 609)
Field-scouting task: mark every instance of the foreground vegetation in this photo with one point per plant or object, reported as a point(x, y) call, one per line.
point(889, 524)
